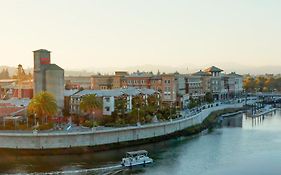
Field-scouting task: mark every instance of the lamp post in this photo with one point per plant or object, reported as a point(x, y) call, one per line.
point(93, 119)
point(138, 116)
point(170, 112)
point(35, 115)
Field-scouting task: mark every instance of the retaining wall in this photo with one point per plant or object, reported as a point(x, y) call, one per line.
point(103, 137)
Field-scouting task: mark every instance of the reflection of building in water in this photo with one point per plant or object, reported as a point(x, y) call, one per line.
point(234, 121)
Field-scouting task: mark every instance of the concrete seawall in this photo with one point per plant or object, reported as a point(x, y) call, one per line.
point(104, 137)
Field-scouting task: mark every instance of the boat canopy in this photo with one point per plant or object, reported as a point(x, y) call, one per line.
point(136, 153)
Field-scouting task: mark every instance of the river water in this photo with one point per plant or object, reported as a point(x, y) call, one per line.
point(241, 146)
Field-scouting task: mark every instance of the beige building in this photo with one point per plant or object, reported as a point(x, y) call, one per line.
point(194, 86)
point(233, 84)
point(77, 82)
point(169, 93)
point(217, 83)
point(102, 82)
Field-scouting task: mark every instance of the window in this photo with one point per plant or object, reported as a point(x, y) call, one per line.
point(107, 99)
point(107, 108)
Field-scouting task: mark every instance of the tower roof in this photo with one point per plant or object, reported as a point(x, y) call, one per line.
point(213, 69)
point(42, 50)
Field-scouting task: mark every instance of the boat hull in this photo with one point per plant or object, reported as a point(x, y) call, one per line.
point(137, 163)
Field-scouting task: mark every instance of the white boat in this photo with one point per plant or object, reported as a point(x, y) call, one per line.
point(136, 158)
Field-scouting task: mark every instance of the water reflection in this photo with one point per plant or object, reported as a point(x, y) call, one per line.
point(239, 148)
point(233, 121)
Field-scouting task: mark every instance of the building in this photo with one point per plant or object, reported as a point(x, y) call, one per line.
point(156, 83)
point(169, 94)
point(48, 77)
point(138, 80)
point(194, 87)
point(233, 84)
point(217, 83)
point(205, 81)
point(103, 82)
point(67, 99)
point(167, 84)
point(109, 98)
point(77, 82)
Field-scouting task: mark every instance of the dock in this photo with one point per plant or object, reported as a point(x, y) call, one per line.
point(262, 113)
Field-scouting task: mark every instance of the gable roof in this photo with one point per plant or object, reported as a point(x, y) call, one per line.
point(234, 74)
point(201, 73)
point(213, 69)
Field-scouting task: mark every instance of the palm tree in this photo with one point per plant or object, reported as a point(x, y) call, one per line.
point(43, 105)
point(90, 103)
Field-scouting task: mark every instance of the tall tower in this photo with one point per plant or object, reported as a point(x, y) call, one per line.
point(48, 77)
point(41, 57)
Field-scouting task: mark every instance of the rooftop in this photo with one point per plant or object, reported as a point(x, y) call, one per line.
point(213, 69)
point(15, 102)
point(42, 50)
point(68, 93)
point(131, 91)
point(201, 73)
point(137, 152)
point(52, 67)
point(234, 74)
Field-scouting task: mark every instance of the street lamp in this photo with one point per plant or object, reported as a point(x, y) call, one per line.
point(93, 119)
point(35, 115)
point(138, 117)
point(170, 111)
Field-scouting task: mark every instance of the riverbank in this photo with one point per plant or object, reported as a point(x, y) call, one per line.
point(210, 121)
point(74, 143)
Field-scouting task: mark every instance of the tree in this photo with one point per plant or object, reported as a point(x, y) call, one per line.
point(121, 106)
point(4, 74)
point(249, 84)
point(152, 100)
point(90, 103)
point(209, 97)
point(192, 103)
point(138, 101)
point(260, 82)
point(43, 105)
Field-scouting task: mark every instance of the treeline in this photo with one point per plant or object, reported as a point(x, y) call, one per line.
point(262, 84)
point(4, 74)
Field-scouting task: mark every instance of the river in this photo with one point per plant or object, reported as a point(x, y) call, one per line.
point(241, 146)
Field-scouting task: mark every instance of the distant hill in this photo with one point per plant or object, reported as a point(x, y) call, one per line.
point(186, 69)
point(227, 67)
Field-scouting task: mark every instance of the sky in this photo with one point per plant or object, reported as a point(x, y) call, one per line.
point(86, 34)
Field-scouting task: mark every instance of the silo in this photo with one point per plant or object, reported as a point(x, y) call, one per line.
point(42, 57)
point(48, 77)
point(54, 76)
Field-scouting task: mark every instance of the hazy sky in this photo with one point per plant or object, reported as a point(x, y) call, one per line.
point(119, 33)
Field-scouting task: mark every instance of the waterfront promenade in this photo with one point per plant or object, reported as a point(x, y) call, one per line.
point(107, 136)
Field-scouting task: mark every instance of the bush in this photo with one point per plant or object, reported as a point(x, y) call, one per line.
point(89, 124)
point(47, 126)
